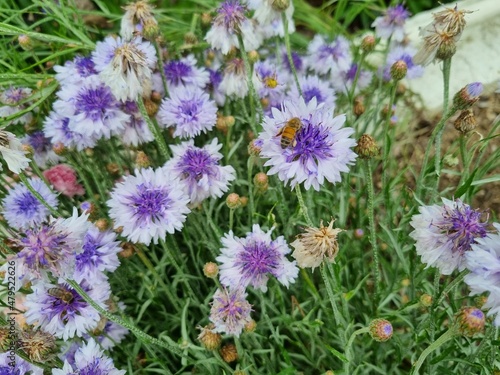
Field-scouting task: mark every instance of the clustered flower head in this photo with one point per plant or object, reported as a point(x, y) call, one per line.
point(391, 24)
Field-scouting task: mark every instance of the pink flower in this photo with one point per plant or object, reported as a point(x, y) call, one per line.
point(63, 178)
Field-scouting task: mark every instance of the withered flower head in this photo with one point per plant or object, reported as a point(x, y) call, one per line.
point(210, 340)
point(315, 244)
point(38, 345)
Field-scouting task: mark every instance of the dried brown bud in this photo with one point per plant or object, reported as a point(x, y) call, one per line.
point(399, 70)
point(229, 353)
point(59, 149)
point(113, 168)
point(128, 250)
point(206, 19)
point(367, 147)
point(359, 106)
point(209, 339)
point(368, 44)
point(38, 345)
point(142, 160)
point(102, 224)
point(190, 38)
point(465, 122)
point(151, 107)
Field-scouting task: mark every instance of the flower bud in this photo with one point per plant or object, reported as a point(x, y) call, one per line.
point(450, 161)
point(127, 250)
point(25, 42)
point(209, 339)
point(425, 300)
point(150, 29)
point(467, 96)
point(229, 353)
point(261, 182)
point(59, 149)
point(142, 160)
point(280, 5)
point(359, 233)
point(113, 168)
point(190, 38)
point(368, 44)
point(253, 56)
point(465, 122)
point(244, 201)
point(399, 70)
point(359, 106)
point(206, 19)
point(469, 321)
point(38, 345)
point(102, 224)
point(211, 270)
point(156, 96)
point(151, 107)
point(367, 147)
point(233, 201)
point(447, 48)
point(264, 102)
point(250, 326)
point(380, 330)
point(230, 121)
point(254, 148)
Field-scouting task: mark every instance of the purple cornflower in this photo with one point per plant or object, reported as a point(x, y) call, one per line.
point(185, 73)
point(333, 58)
point(14, 99)
point(230, 21)
point(198, 170)
point(230, 311)
point(268, 81)
point(443, 234)
point(99, 255)
point(391, 24)
point(74, 71)
point(320, 150)
point(402, 54)
point(43, 154)
point(343, 81)
point(136, 129)
point(298, 62)
point(59, 310)
point(12, 152)
point(148, 205)
point(126, 67)
point(213, 87)
point(92, 109)
point(235, 80)
point(189, 110)
point(22, 209)
point(250, 260)
point(53, 247)
point(314, 87)
point(21, 367)
point(89, 359)
point(484, 265)
point(56, 127)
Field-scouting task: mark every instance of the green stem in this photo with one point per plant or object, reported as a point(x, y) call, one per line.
point(160, 67)
point(251, 201)
point(145, 260)
point(336, 313)
point(289, 52)
point(37, 195)
point(446, 94)
point(448, 335)
point(348, 351)
point(153, 127)
point(169, 344)
point(302, 205)
point(373, 239)
point(465, 160)
point(387, 141)
point(231, 218)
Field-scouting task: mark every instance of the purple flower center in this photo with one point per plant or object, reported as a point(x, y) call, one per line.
point(150, 203)
point(462, 226)
point(257, 259)
point(93, 368)
point(94, 102)
point(43, 247)
point(387, 329)
point(85, 66)
point(65, 303)
point(215, 79)
point(351, 73)
point(313, 92)
point(190, 109)
point(297, 61)
point(27, 204)
point(176, 71)
point(230, 305)
point(196, 163)
point(231, 15)
point(38, 141)
point(14, 95)
point(334, 50)
point(397, 15)
point(90, 255)
point(130, 107)
point(312, 143)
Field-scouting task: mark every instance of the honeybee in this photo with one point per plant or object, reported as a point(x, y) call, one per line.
point(289, 132)
point(61, 294)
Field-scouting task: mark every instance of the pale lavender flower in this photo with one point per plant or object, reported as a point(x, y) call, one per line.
point(297, 59)
point(56, 127)
point(235, 80)
point(92, 109)
point(321, 148)
point(230, 311)
point(21, 367)
point(15, 100)
point(74, 71)
point(269, 81)
point(443, 234)
point(343, 81)
point(126, 67)
point(53, 247)
point(89, 359)
point(250, 260)
point(112, 335)
point(484, 265)
point(405, 54)
point(185, 73)
point(12, 152)
point(189, 110)
point(99, 255)
point(270, 19)
point(333, 58)
point(59, 310)
point(148, 205)
point(138, 15)
point(43, 154)
point(391, 24)
point(136, 129)
point(22, 209)
point(198, 170)
point(230, 21)
point(213, 87)
point(314, 87)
